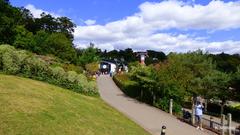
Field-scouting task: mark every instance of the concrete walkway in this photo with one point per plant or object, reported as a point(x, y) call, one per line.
point(150, 118)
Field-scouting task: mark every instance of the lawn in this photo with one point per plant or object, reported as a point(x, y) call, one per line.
point(29, 107)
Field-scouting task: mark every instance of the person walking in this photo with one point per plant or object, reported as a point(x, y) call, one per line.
point(199, 112)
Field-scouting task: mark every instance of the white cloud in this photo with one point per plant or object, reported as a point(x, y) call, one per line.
point(37, 12)
point(90, 22)
point(216, 15)
point(143, 30)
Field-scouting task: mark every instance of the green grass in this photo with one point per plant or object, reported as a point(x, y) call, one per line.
point(29, 107)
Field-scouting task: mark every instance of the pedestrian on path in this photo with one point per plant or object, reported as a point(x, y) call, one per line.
point(199, 112)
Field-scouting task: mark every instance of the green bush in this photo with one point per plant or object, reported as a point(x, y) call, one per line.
point(71, 67)
point(164, 105)
point(34, 67)
point(72, 76)
point(130, 88)
point(10, 63)
point(3, 50)
point(133, 89)
point(29, 65)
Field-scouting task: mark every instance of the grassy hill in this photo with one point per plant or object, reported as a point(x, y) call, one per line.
point(29, 107)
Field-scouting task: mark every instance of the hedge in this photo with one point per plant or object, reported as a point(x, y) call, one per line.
point(134, 90)
point(130, 88)
point(26, 64)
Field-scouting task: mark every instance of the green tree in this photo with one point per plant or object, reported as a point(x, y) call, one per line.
point(235, 83)
point(218, 85)
point(23, 39)
point(66, 27)
point(88, 55)
point(59, 45)
point(40, 42)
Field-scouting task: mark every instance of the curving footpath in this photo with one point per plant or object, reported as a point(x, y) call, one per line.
point(150, 118)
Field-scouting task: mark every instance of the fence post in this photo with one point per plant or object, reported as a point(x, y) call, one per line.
point(229, 124)
point(206, 103)
point(193, 112)
point(211, 122)
point(222, 124)
point(171, 106)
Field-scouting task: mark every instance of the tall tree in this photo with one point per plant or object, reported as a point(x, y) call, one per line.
point(89, 55)
point(218, 84)
point(59, 45)
point(23, 39)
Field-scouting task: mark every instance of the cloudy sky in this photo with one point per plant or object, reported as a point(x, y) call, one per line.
point(168, 26)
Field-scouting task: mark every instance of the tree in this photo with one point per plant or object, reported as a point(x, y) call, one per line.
point(9, 17)
point(66, 26)
point(59, 45)
point(23, 38)
point(88, 55)
point(235, 83)
point(155, 57)
point(218, 85)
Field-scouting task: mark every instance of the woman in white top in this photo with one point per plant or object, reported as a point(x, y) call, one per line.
point(199, 112)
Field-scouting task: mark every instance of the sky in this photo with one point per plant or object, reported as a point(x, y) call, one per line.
point(162, 25)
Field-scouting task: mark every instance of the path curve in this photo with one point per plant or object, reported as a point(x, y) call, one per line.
point(150, 118)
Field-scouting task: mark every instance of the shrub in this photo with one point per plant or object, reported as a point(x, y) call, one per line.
point(164, 105)
point(130, 88)
point(34, 67)
point(71, 67)
point(3, 50)
point(58, 72)
point(92, 68)
point(29, 65)
point(10, 63)
point(72, 76)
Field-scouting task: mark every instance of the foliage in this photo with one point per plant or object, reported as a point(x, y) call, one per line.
point(88, 55)
point(92, 68)
point(71, 67)
point(26, 64)
point(179, 77)
point(154, 57)
point(44, 35)
point(215, 109)
point(129, 87)
point(58, 45)
point(226, 62)
point(235, 83)
point(23, 39)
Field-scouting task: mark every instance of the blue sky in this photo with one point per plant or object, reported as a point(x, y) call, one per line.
point(178, 26)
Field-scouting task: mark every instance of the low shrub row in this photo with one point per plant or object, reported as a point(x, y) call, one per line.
point(135, 90)
point(130, 88)
point(26, 64)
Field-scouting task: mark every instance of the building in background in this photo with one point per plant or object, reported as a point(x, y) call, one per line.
point(142, 56)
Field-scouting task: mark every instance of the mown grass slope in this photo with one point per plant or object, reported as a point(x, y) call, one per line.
point(29, 107)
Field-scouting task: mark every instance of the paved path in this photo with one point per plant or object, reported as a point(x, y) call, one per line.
point(150, 118)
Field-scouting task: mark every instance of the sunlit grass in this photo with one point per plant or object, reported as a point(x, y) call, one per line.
point(30, 107)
